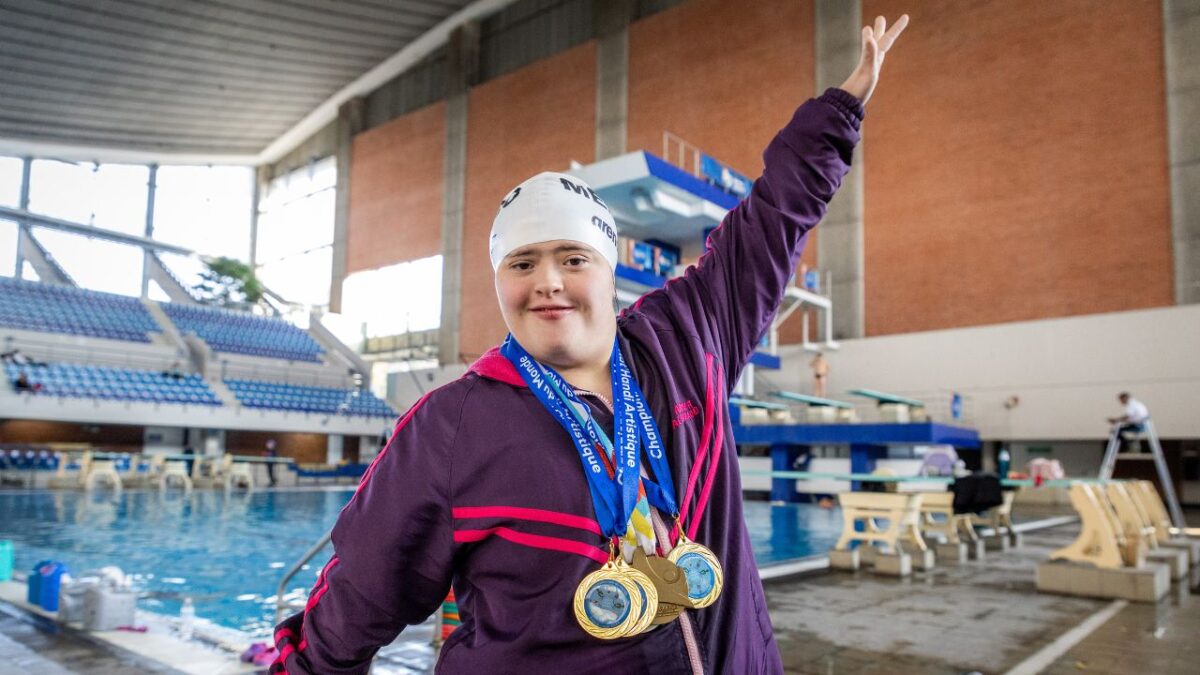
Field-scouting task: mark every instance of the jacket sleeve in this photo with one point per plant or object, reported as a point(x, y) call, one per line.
point(733, 291)
point(393, 552)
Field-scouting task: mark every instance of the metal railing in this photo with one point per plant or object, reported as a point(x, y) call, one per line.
point(281, 605)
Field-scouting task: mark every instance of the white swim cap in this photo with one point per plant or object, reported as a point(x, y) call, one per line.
point(548, 207)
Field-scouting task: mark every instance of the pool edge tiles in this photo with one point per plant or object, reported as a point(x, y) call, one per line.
point(157, 644)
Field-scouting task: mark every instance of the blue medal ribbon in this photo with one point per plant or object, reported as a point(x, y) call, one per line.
point(633, 426)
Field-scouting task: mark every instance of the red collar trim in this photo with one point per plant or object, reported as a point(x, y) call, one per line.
point(494, 366)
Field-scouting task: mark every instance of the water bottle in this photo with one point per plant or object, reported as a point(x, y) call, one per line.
point(187, 619)
point(1003, 460)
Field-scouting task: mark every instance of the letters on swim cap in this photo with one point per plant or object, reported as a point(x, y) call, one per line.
point(548, 207)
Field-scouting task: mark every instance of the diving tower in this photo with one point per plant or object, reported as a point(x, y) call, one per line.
point(657, 202)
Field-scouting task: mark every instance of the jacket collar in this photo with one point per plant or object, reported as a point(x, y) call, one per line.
point(494, 366)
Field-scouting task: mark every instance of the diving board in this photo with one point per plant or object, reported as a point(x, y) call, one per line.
point(812, 400)
point(751, 403)
point(652, 199)
point(884, 397)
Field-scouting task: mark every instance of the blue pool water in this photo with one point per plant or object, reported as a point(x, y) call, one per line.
point(229, 552)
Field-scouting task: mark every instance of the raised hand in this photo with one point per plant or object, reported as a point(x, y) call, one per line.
point(876, 41)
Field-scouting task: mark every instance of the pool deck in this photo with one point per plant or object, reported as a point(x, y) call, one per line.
point(983, 616)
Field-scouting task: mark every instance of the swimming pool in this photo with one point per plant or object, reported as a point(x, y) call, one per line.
point(229, 552)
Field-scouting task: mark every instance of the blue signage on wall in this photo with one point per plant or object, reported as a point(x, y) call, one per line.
point(723, 177)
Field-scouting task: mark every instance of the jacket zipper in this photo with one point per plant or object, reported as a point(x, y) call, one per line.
point(664, 540)
point(685, 621)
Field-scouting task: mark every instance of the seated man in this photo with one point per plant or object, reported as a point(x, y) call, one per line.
point(1134, 419)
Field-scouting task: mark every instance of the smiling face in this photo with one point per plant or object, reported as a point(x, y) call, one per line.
point(557, 300)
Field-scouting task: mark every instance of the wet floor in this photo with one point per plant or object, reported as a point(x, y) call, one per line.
point(982, 616)
point(33, 645)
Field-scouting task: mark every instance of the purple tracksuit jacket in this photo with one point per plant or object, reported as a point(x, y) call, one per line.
point(481, 488)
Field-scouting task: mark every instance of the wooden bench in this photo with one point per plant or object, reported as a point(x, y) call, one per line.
point(938, 518)
point(1101, 541)
point(999, 518)
point(902, 512)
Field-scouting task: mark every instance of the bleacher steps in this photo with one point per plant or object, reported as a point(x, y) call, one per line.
point(160, 317)
point(223, 392)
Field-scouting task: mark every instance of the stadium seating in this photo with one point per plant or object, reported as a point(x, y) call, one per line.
point(276, 396)
point(243, 333)
point(28, 305)
point(79, 381)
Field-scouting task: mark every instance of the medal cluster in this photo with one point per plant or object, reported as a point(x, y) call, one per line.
point(621, 600)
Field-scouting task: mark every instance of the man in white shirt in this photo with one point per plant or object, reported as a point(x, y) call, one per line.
point(1134, 419)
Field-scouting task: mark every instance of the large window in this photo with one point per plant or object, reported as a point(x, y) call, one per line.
point(95, 263)
point(205, 208)
point(295, 233)
point(108, 196)
point(393, 300)
point(10, 181)
point(8, 248)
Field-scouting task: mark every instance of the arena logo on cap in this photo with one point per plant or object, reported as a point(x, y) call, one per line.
point(512, 196)
point(583, 191)
point(605, 228)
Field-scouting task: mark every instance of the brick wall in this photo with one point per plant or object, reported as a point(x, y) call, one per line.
point(535, 119)
point(725, 76)
point(1016, 167)
point(396, 190)
point(1015, 154)
point(116, 437)
point(304, 448)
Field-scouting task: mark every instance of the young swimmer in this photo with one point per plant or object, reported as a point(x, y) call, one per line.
point(563, 570)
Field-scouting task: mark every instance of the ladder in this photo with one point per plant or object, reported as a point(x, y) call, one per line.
point(1160, 463)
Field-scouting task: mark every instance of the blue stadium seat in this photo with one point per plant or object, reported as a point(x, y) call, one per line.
point(109, 383)
point(327, 400)
point(30, 305)
point(242, 333)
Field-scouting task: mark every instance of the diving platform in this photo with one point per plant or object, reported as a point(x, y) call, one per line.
point(884, 397)
point(813, 400)
point(868, 443)
point(653, 199)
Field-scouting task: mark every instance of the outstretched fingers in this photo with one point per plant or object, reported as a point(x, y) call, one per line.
point(870, 46)
point(888, 37)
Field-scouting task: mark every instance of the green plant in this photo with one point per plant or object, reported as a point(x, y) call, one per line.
point(228, 282)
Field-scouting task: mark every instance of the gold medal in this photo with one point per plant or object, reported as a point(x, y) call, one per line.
point(648, 592)
point(702, 569)
point(615, 601)
point(669, 581)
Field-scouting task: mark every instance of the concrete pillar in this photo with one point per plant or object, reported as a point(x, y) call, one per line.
point(333, 449)
point(147, 254)
point(1181, 40)
point(262, 179)
point(840, 236)
point(462, 70)
point(351, 116)
point(26, 169)
point(611, 19)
